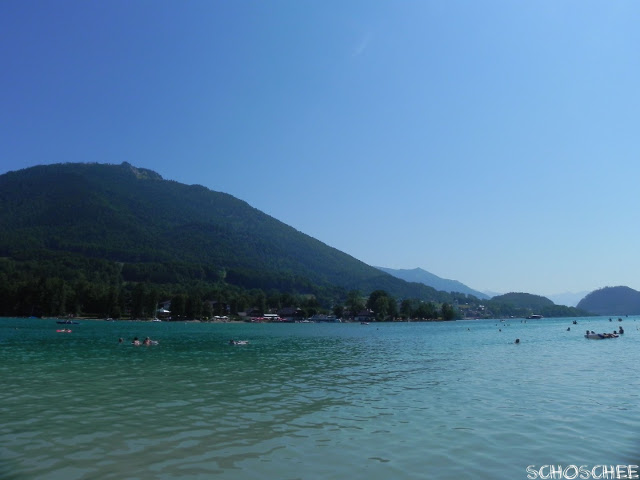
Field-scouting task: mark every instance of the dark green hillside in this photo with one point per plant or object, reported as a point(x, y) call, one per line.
point(524, 300)
point(612, 301)
point(61, 218)
point(125, 214)
point(524, 304)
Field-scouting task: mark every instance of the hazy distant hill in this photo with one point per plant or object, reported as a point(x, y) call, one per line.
point(163, 231)
point(612, 301)
point(570, 299)
point(422, 276)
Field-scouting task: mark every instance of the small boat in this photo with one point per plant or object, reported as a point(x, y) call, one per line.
point(67, 322)
point(364, 323)
point(64, 330)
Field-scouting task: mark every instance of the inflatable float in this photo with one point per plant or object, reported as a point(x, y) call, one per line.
point(599, 336)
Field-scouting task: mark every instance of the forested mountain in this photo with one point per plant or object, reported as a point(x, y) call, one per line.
point(422, 276)
point(524, 300)
point(612, 301)
point(523, 304)
point(118, 225)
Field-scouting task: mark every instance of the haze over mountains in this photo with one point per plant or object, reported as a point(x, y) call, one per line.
point(422, 276)
point(567, 298)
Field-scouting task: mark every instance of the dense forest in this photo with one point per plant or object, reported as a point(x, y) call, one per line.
point(65, 284)
point(115, 240)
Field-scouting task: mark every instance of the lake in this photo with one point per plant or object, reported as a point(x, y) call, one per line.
point(315, 401)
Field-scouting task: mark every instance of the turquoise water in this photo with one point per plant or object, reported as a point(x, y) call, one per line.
point(315, 401)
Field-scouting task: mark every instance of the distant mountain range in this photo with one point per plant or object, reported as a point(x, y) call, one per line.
point(570, 299)
point(419, 275)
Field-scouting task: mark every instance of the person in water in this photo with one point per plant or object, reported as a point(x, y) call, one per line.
point(136, 342)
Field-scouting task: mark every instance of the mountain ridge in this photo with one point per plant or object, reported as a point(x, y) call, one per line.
point(570, 299)
point(420, 275)
point(132, 216)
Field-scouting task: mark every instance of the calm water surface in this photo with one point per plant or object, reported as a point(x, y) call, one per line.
point(315, 401)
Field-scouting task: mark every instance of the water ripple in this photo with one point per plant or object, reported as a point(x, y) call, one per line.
point(312, 401)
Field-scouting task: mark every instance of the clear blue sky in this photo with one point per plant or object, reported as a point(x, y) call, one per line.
point(491, 142)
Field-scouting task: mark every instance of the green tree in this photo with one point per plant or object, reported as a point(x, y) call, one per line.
point(113, 302)
point(381, 307)
point(448, 312)
point(151, 300)
point(287, 300)
point(426, 310)
point(406, 308)
point(54, 297)
point(382, 304)
point(310, 306)
point(194, 306)
point(259, 300)
point(178, 306)
point(138, 296)
point(354, 302)
point(273, 300)
point(207, 310)
point(373, 298)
